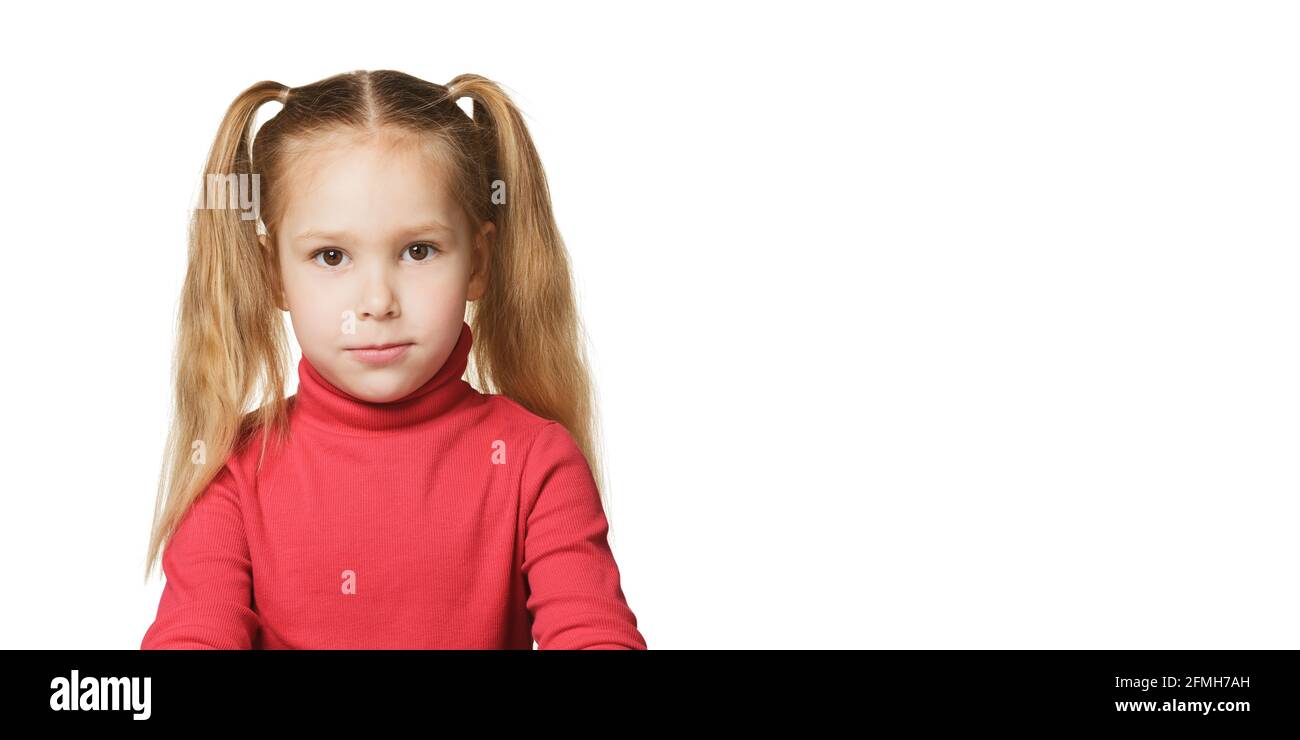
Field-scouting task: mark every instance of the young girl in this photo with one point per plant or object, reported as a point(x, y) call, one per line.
point(388, 503)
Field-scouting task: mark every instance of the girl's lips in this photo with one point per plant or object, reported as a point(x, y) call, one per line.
point(379, 356)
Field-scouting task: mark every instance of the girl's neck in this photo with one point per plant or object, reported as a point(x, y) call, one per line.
point(325, 406)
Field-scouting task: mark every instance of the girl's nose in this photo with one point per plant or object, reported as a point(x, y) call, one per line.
point(379, 301)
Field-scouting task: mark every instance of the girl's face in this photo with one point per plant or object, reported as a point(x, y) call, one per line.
point(374, 250)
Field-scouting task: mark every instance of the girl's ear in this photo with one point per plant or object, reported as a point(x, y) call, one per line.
point(482, 245)
point(279, 293)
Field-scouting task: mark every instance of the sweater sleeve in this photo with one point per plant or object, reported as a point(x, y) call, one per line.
point(574, 595)
point(206, 602)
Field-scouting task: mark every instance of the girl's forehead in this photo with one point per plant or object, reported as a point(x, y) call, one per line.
point(366, 185)
point(405, 156)
point(356, 159)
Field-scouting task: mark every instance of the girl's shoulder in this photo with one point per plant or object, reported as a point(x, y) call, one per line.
point(505, 408)
point(547, 441)
point(256, 445)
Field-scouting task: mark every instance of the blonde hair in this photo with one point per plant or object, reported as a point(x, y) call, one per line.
point(232, 349)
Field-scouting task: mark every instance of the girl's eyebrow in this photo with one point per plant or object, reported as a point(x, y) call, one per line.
point(423, 228)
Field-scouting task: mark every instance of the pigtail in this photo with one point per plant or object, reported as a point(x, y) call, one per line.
point(528, 341)
point(230, 333)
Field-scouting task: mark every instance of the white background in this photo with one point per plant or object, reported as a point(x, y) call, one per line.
point(915, 325)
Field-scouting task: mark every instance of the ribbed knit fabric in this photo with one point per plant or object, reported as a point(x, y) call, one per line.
point(448, 519)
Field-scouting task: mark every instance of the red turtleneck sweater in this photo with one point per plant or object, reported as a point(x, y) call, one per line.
point(448, 519)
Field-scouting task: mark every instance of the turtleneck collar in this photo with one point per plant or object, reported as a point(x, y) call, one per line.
point(322, 404)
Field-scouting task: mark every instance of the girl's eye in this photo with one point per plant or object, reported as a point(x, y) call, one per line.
point(420, 252)
point(423, 251)
point(333, 257)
